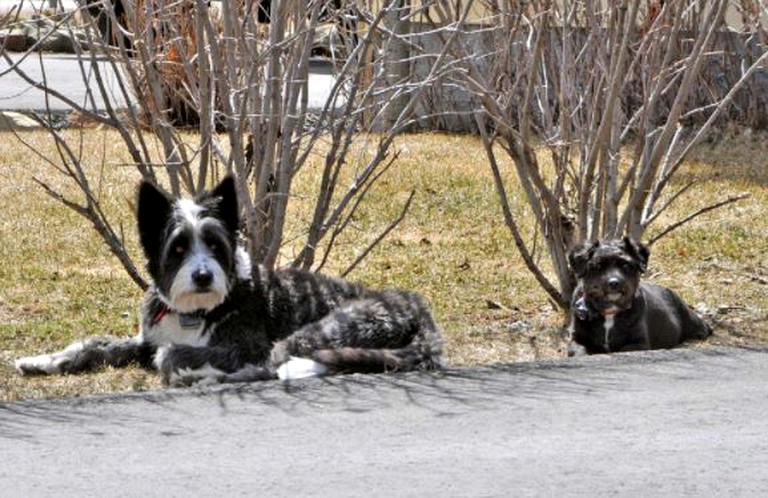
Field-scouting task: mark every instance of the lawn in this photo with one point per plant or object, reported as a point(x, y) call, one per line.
point(59, 282)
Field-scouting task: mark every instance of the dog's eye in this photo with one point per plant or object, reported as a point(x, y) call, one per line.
point(212, 243)
point(180, 246)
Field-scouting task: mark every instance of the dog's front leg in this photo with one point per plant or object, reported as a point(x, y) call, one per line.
point(184, 365)
point(576, 349)
point(88, 355)
point(637, 340)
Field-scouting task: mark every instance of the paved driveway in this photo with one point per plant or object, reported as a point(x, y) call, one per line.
point(685, 422)
point(62, 73)
point(65, 74)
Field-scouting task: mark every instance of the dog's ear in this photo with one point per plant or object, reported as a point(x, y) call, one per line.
point(638, 251)
point(152, 214)
point(224, 196)
point(579, 257)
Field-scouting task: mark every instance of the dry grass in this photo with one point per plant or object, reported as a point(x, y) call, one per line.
point(59, 282)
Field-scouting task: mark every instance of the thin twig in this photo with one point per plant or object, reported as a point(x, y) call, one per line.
point(511, 221)
point(381, 236)
point(696, 213)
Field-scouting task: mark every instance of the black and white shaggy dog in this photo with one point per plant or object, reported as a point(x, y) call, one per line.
point(612, 310)
point(211, 316)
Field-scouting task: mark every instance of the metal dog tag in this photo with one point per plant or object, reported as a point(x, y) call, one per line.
point(190, 320)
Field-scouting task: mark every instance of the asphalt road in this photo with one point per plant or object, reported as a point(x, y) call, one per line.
point(679, 423)
point(62, 73)
point(66, 75)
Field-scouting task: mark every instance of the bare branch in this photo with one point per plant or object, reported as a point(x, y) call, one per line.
point(380, 237)
point(511, 222)
point(699, 212)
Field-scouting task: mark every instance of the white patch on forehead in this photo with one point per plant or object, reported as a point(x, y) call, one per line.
point(189, 210)
point(192, 215)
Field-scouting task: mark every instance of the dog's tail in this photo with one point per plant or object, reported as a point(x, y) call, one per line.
point(359, 360)
point(422, 353)
point(697, 323)
point(699, 328)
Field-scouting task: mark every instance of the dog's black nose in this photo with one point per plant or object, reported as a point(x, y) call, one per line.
point(202, 277)
point(614, 284)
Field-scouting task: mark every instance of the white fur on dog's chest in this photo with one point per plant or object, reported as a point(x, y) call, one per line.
point(170, 331)
point(607, 326)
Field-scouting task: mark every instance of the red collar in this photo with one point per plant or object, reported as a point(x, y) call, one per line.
point(186, 320)
point(161, 313)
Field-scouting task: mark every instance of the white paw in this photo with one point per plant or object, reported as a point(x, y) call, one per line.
point(575, 349)
point(41, 364)
point(300, 368)
point(159, 358)
point(203, 376)
point(47, 363)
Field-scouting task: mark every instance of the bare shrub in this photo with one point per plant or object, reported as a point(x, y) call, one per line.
point(244, 85)
point(608, 89)
point(614, 94)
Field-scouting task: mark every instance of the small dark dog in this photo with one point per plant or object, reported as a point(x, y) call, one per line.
point(211, 316)
point(612, 310)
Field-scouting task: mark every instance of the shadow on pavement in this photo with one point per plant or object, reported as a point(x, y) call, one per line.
point(452, 392)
